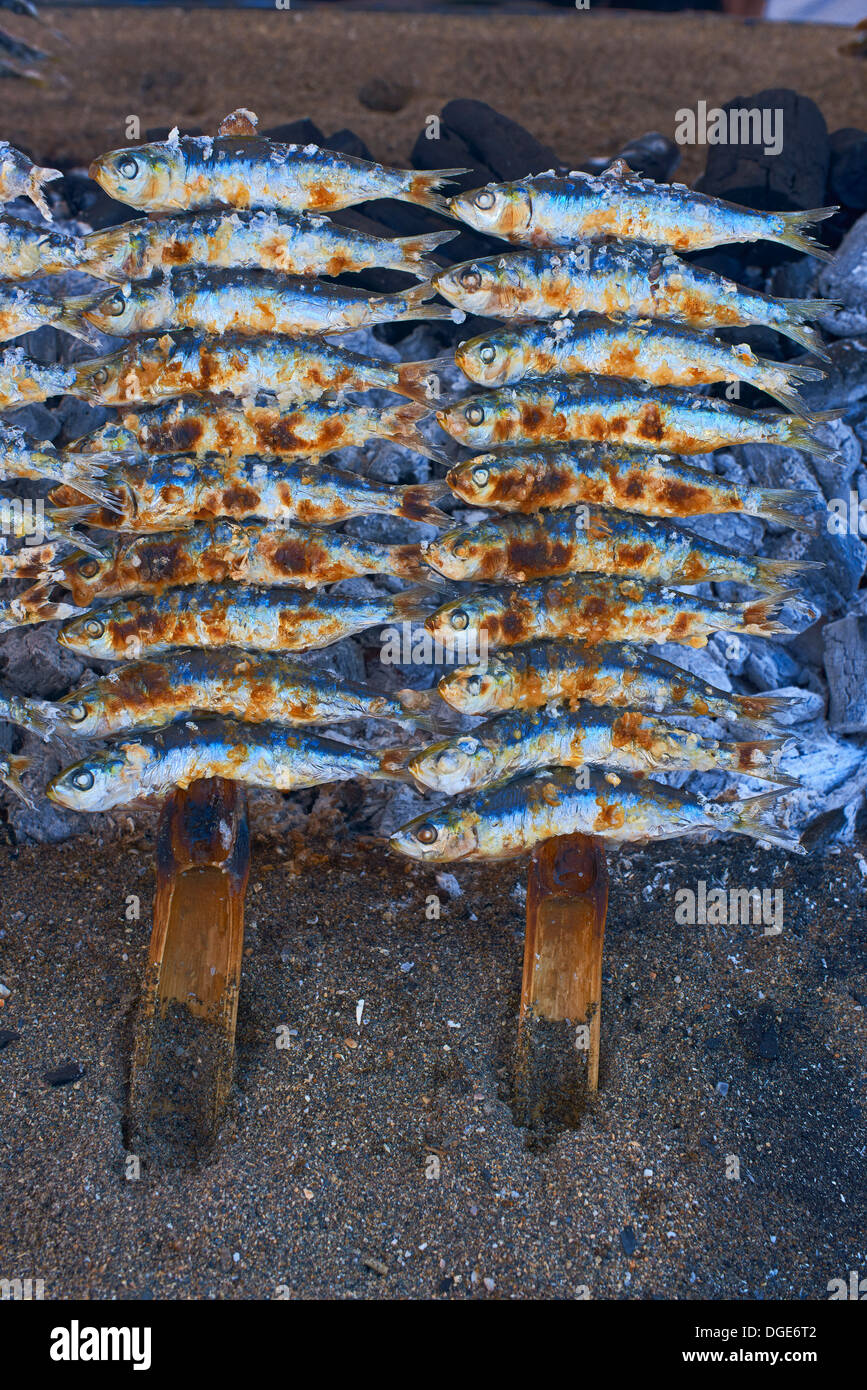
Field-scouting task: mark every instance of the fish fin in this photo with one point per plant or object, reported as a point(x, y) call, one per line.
point(416, 503)
point(393, 765)
point(795, 237)
point(798, 371)
point(760, 617)
point(422, 188)
point(413, 603)
point(776, 575)
point(414, 249)
point(780, 505)
point(62, 520)
point(789, 400)
point(747, 821)
point(37, 178)
point(754, 758)
point(73, 311)
point(420, 380)
point(100, 246)
point(34, 606)
point(12, 765)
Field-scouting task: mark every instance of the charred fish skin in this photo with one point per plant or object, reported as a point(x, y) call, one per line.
point(623, 741)
point(20, 178)
point(28, 249)
point(175, 491)
point(662, 354)
point(618, 675)
point(249, 303)
point(545, 210)
point(214, 615)
point(251, 552)
point(607, 410)
point(259, 755)
point(248, 171)
point(595, 609)
point(508, 819)
point(256, 687)
point(621, 278)
point(24, 381)
point(512, 549)
point(294, 244)
point(528, 480)
point(295, 370)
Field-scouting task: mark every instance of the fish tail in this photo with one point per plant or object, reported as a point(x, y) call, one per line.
point(393, 765)
point(800, 432)
point(795, 237)
point(760, 618)
point(12, 765)
point(757, 758)
point(417, 702)
point(776, 575)
point(406, 562)
point(101, 247)
point(90, 478)
point(414, 249)
point(62, 521)
point(400, 425)
point(416, 503)
point(791, 376)
point(37, 178)
point(421, 380)
point(422, 188)
point(412, 603)
point(73, 317)
point(798, 313)
point(788, 506)
point(412, 304)
point(747, 821)
point(30, 562)
point(37, 716)
point(763, 709)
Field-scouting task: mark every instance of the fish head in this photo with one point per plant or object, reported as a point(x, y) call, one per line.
point(78, 713)
point(93, 784)
point(453, 766)
point(498, 209)
point(455, 554)
point(58, 252)
point(98, 378)
point(456, 624)
point(474, 689)
point(142, 176)
point(128, 309)
point(90, 635)
point(492, 359)
point(485, 479)
point(447, 833)
point(474, 286)
point(475, 421)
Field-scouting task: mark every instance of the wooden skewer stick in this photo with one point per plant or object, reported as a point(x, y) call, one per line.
point(561, 995)
point(185, 1043)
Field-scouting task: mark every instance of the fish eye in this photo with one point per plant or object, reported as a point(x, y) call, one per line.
point(76, 713)
point(471, 278)
point(427, 833)
point(114, 305)
point(100, 377)
point(94, 627)
point(481, 475)
point(460, 619)
point(485, 199)
point(487, 353)
point(474, 685)
point(83, 780)
point(88, 568)
point(475, 414)
point(128, 166)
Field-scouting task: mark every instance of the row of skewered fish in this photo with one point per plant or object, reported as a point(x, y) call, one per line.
point(229, 499)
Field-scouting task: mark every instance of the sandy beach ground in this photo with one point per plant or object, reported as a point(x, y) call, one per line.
point(583, 82)
point(383, 1160)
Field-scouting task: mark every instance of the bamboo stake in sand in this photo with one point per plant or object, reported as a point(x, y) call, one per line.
point(184, 1050)
point(559, 1026)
